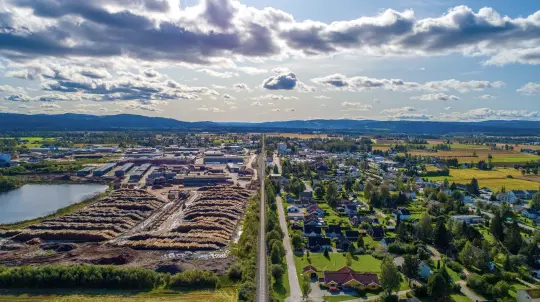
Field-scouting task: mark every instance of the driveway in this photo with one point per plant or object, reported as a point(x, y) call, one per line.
point(468, 292)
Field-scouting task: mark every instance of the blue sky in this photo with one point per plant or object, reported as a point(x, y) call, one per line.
point(261, 60)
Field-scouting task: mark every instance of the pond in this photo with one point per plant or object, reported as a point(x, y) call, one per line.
point(33, 201)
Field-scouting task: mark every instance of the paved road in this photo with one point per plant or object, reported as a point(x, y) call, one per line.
point(262, 273)
point(296, 292)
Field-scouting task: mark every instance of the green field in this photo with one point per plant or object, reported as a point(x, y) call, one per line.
point(361, 263)
point(494, 179)
point(34, 142)
point(222, 295)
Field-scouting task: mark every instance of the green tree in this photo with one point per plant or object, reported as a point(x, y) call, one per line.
point(466, 255)
point(332, 194)
point(349, 259)
point(360, 241)
point(513, 240)
point(368, 187)
point(440, 237)
point(535, 202)
point(389, 277)
point(375, 201)
point(306, 287)
point(424, 228)
point(410, 266)
point(438, 288)
point(275, 169)
point(297, 241)
point(277, 271)
point(496, 226)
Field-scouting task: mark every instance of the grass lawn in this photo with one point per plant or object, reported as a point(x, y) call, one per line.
point(222, 295)
point(282, 287)
point(487, 235)
point(370, 243)
point(339, 298)
point(460, 298)
point(453, 274)
point(361, 263)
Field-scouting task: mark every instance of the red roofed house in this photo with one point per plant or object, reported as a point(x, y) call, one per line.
point(348, 278)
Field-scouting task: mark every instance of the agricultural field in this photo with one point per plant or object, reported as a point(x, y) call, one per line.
point(34, 142)
point(222, 295)
point(297, 135)
point(493, 179)
point(465, 155)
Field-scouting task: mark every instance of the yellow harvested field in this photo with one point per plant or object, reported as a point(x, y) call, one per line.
point(500, 157)
point(494, 179)
point(298, 135)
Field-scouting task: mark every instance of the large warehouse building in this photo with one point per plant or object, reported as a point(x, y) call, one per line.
point(239, 160)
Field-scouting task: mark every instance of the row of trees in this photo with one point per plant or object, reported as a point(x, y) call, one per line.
point(9, 183)
point(95, 276)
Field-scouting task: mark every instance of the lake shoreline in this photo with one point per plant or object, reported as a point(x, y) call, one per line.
point(59, 212)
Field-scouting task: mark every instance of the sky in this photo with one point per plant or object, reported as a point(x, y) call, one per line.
point(262, 60)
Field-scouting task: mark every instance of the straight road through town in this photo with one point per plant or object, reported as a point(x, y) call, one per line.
point(262, 274)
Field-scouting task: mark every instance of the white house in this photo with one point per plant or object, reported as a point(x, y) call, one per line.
point(402, 213)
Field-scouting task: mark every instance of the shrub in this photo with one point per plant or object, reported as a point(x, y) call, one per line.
point(194, 279)
point(420, 291)
point(277, 271)
point(456, 267)
point(378, 254)
point(235, 272)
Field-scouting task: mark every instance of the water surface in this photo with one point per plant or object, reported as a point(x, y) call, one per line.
point(33, 201)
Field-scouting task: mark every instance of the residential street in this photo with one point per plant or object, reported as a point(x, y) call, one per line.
point(296, 292)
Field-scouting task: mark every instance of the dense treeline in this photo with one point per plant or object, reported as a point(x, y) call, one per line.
point(337, 145)
point(78, 276)
point(104, 276)
point(42, 167)
point(9, 183)
point(246, 250)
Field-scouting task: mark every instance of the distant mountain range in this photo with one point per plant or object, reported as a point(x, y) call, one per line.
point(83, 122)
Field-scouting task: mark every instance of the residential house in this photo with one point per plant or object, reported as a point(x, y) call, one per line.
point(376, 232)
point(348, 278)
point(528, 295)
point(343, 243)
point(312, 231)
point(321, 170)
point(313, 220)
point(333, 231)
point(468, 219)
point(341, 211)
point(310, 271)
point(530, 213)
point(468, 200)
point(352, 209)
point(410, 194)
point(319, 243)
point(315, 210)
point(354, 220)
point(507, 197)
point(293, 209)
point(402, 213)
point(424, 271)
point(352, 235)
point(387, 241)
point(523, 194)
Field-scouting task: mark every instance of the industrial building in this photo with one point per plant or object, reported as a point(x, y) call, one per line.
point(5, 159)
point(204, 180)
point(85, 171)
point(104, 169)
point(139, 172)
point(123, 170)
point(224, 160)
point(233, 168)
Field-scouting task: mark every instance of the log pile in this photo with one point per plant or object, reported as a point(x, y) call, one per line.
point(209, 223)
point(103, 220)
